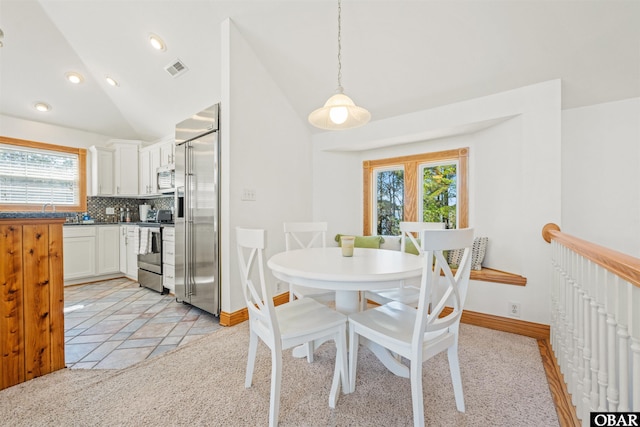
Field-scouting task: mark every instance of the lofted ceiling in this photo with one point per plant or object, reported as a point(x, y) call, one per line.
point(397, 56)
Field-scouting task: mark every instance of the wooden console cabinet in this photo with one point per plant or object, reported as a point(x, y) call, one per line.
point(31, 299)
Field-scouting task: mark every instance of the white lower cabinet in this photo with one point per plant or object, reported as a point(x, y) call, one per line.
point(90, 251)
point(168, 258)
point(129, 239)
point(108, 249)
point(79, 245)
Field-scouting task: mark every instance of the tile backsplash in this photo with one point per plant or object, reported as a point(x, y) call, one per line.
point(97, 207)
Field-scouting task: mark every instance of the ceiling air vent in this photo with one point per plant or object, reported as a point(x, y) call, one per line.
point(176, 68)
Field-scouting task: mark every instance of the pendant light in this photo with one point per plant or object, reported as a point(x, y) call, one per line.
point(339, 112)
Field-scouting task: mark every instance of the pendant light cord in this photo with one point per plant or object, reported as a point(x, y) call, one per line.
point(339, 49)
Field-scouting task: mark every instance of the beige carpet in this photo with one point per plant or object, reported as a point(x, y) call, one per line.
point(202, 384)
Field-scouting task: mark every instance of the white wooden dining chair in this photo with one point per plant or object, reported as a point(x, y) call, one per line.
point(287, 325)
point(302, 235)
point(408, 292)
point(419, 334)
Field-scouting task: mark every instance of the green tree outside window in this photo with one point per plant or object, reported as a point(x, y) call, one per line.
point(390, 201)
point(439, 195)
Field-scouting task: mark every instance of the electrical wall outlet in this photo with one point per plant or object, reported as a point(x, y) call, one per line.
point(514, 309)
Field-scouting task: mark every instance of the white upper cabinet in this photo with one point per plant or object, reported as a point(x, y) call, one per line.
point(126, 167)
point(102, 171)
point(167, 153)
point(149, 163)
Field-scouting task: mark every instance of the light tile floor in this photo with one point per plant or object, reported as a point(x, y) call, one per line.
point(116, 323)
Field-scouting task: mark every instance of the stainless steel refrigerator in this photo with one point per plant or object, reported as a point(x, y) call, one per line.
point(197, 213)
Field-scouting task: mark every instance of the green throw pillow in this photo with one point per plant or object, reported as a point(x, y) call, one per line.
point(410, 248)
point(363, 241)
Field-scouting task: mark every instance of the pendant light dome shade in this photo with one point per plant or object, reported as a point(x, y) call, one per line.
point(339, 112)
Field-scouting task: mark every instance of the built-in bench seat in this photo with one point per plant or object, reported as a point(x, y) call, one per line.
point(483, 275)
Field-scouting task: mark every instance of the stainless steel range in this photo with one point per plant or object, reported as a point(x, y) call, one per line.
point(150, 250)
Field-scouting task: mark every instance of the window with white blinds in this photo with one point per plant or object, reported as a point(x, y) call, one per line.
point(32, 175)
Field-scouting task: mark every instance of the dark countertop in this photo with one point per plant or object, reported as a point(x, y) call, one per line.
point(49, 214)
point(163, 224)
point(74, 224)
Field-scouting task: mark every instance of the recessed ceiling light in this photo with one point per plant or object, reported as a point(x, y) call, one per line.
point(42, 106)
point(111, 81)
point(157, 42)
point(75, 78)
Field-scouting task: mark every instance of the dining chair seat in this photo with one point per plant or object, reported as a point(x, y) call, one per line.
point(393, 323)
point(406, 294)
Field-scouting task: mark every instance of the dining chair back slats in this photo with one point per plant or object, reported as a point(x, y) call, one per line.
point(411, 229)
point(304, 235)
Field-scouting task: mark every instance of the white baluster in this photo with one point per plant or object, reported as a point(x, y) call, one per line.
point(586, 352)
point(595, 343)
point(634, 302)
point(562, 317)
point(601, 292)
point(554, 296)
point(623, 345)
point(569, 307)
point(612, 343)
point(635, 360)
point(555, 299)
point(580, 323)
point(570, 343)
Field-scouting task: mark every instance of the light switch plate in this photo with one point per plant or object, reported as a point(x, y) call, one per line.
point(248, 194)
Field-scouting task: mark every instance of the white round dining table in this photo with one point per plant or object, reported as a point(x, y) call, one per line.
point(326, 268)
point(367, 269)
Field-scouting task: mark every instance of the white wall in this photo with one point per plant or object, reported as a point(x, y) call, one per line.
point(601, 174)
point(514, 169)
point(42, 132)
point(265, 148)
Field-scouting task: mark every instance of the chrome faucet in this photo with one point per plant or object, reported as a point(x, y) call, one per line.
point(53, 207)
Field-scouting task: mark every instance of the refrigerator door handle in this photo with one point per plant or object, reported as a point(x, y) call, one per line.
point(189, 222)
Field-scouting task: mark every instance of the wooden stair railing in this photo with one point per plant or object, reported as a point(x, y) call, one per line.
point(595, 323)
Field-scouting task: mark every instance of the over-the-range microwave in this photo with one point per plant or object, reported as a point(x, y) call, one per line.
point(166, 178)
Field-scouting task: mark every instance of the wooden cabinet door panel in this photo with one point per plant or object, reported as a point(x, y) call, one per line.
point(35, 255)
point(31, 299)
point(56, 297)
point(11, 296)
